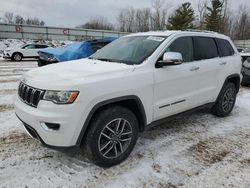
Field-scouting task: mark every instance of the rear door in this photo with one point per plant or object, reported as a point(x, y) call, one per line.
point(228, 60)
point(191, 84)
point(207, 60)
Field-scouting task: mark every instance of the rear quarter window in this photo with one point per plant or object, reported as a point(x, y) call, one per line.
point(205, 48)
point(225, 48)
point(41, 46)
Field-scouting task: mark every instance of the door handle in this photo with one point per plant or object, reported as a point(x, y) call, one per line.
point(194, 68)
point(223, 63)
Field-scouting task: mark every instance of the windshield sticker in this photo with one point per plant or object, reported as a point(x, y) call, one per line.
point(158, 39)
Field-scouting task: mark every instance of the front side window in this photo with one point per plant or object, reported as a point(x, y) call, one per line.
point(129, 50)
point(183, 45)
point(205, 48)
point(225, 48)
point(30, 46)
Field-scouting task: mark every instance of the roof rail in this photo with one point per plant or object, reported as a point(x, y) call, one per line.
point(200, 30)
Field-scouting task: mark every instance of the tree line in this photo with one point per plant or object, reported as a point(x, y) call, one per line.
point(213, 15)
point(11, 18)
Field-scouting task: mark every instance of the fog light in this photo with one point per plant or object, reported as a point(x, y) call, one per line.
point(50, 126)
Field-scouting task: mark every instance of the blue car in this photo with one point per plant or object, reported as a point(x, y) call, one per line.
point(73, 51)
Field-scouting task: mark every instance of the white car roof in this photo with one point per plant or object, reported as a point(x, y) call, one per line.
point(193, 32)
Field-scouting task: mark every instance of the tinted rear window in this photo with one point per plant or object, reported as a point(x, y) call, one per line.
point(98, 46)
point(205, 48)
point(225, 48)
point(41, 46)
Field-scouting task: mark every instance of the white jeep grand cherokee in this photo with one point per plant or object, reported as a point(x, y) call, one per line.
point(138, 81)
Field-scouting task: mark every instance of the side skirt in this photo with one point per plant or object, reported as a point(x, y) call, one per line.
point(167, 119)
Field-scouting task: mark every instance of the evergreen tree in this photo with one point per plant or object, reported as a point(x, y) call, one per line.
point(182, 18)
point(214, 19)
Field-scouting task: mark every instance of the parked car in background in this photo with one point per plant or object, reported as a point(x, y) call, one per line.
point(73, 51)
point(246, 72)
point(245, 54)
point(25, 51)
point(240, 49)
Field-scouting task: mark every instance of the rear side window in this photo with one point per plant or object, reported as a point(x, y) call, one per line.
point(30, 46)
point(38, 46)
point(98, 46)
point(183, 45)
point(205, 48)
point(225, 48)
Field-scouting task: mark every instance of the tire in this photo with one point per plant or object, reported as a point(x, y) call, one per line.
point(244, 84)
point(105, 146)
point(40, 63)
point(17, 57)
point(226, 101)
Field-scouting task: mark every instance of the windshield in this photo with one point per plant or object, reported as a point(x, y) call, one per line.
point(129, 50)
point(23, 46)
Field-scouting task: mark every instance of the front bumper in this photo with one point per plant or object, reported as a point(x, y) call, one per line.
point(42, 62)
point(6, 55)
point(69, 117)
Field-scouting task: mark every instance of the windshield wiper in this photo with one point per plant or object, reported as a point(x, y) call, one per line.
point(105, 59)
point(113, 60)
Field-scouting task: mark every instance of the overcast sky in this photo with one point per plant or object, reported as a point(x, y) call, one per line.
point(70, 13)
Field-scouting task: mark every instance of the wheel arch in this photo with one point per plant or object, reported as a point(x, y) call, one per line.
point(131, 102)
point(12, 56)
point(233, 78)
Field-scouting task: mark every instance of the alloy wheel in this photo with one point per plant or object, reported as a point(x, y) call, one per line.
point(115, 138)
point(17, 57)
point(228, 100)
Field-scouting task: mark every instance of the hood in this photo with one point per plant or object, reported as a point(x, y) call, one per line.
point(13, 48)
point(78, 70)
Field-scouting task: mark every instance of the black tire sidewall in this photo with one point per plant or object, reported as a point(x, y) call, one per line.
point(19, 55)
point(218, 109)
point(97, 125)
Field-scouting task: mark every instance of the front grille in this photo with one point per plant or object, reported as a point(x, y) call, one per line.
point(29, 95)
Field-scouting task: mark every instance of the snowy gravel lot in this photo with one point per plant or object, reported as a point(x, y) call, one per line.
point(197, 150)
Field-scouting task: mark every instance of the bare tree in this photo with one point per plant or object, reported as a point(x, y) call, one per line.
point(98, 23)
point(142, 19)
point(145, 19)
point(202, 8)
point(126, 19)
point(242, 29)
point(8, 17)
point(158, 15)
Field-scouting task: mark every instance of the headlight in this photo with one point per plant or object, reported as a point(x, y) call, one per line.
point(51, 59)
point(61, 97)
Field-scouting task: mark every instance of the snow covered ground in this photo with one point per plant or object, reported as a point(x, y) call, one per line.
point(197, 150)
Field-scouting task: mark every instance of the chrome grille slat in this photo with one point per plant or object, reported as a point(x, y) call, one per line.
point(32, 96)
point(29, 95)
point(26, 93)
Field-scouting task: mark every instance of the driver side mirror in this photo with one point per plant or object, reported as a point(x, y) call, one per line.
point(170, 58)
